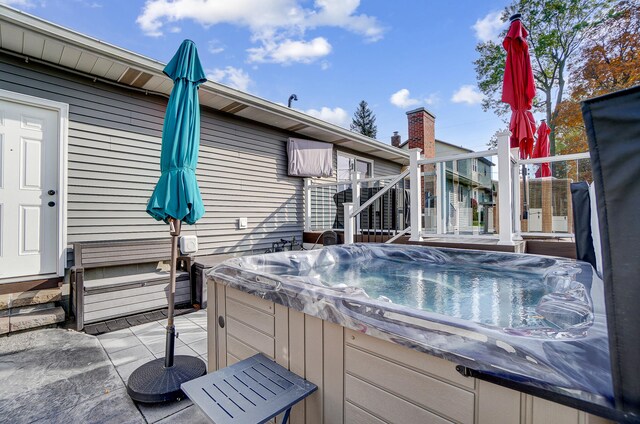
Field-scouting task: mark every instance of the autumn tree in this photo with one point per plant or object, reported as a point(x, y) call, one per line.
point(610, 61)
point(364, 121)
point(557, 29)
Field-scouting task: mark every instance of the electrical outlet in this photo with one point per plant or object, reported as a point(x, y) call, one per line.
point(242, 223)
point(188, 244)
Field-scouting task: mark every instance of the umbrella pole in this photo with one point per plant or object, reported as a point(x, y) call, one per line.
point(159, 380)
point(525, 202)
point(174, 229)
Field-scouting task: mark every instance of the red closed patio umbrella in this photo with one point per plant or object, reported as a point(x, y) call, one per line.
point(518, 87)
point(518, 90)
point(541, 149)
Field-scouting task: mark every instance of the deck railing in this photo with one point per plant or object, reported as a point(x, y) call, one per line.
point(545, 202)
point(489, 193)
point(458, 194)
point(324, 200)
point(380, 213)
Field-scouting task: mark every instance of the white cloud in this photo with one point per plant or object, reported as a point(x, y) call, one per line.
point(232, 77)
point(488, 28)
point(336, 115)
point(289, 51)
point(402, 99)
point(277, 26)
point(175, 29)
point(324, 65)
point(19, 3)
point(215, 46)
point(432, 99)
point(341, 13)
point(467, 94)
point(261, 14)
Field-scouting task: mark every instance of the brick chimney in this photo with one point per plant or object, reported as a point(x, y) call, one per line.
point(396, 139)
point(422, 131)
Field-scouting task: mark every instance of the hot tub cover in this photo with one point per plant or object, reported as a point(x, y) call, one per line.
point(571, 359)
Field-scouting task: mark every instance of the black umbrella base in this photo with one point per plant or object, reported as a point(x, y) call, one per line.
point(153, 383)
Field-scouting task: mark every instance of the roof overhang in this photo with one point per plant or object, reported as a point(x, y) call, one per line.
point(35, 38)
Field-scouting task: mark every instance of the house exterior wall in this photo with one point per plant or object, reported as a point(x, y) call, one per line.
point(113, 165)
point(444, 149)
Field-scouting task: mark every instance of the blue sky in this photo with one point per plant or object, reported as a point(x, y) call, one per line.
point(396, 55)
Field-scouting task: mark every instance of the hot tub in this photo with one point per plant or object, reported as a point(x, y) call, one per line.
point(525, 322)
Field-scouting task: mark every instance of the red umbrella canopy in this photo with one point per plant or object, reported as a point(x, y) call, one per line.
point(519, 89)
point(541, 149)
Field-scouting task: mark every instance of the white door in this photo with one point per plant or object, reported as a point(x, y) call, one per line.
point(28, 190)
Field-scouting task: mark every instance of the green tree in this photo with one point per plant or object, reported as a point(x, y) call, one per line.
point(364, 121)
point(557, 29)
point(492, 144)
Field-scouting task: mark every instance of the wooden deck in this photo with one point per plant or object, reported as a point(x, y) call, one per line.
point(551, 247)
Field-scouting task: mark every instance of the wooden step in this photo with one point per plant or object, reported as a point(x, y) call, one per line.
point(30, 298)
point(21, 320)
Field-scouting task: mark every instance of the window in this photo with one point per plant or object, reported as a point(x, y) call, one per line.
point(348, 162)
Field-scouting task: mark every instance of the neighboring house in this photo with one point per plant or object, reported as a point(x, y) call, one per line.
point(89, 119)
point(468, 185)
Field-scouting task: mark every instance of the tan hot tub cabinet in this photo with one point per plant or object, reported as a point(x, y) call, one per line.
point(360, 378)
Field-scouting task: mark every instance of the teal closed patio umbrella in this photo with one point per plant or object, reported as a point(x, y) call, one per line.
point(176, 199)
point(177, 196)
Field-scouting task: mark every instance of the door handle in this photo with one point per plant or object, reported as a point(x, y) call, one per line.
point(51, 192)
point(51, 204)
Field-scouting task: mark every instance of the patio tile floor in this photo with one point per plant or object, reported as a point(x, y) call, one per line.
point(58, 375)
point(134, 346)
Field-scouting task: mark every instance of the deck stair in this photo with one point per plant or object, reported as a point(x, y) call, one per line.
point(30, 309)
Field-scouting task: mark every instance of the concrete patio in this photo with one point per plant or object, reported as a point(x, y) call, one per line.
point(57, 375)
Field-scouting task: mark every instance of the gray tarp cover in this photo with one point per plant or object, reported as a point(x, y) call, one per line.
point(569, 357)
point(613, 131)
point(308, 158)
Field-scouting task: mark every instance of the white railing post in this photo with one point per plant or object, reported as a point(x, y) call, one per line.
point(416, 195)
point(355, 196)
point(517, 210)
point(440, 196)
point(348, 223)
point(307, 204)
point(355, 188)
point(505, 189)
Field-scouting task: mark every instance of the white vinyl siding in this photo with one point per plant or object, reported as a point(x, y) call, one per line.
point(114, 148)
